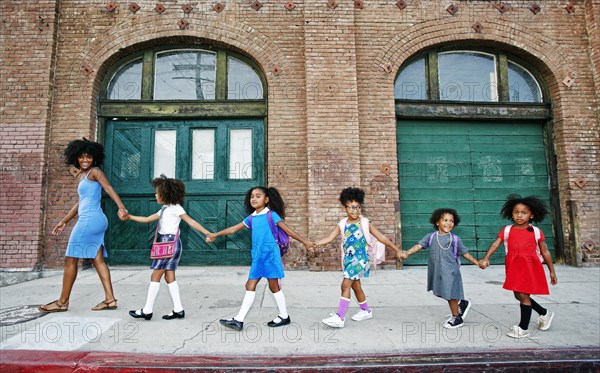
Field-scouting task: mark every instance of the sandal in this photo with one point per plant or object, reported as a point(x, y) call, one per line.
point(106, 305)
point(54, 306)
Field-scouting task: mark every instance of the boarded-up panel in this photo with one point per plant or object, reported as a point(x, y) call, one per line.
point(471, 167)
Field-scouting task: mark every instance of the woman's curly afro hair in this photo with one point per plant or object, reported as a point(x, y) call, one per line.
point(535, 204)
point(171, 191)
point(76, 148)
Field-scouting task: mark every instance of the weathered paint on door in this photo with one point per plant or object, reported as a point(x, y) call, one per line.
point(471, 167)
point(215, 201)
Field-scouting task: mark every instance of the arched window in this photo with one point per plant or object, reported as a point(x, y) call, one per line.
point(466, 76)
point(197, 114)
point(186, 74)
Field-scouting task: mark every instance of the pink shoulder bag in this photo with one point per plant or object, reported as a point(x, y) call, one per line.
point(163, 250)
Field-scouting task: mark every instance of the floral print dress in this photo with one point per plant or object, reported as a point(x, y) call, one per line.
point(354, 246)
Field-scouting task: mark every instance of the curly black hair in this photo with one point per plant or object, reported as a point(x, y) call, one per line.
point(275, 201)
point(171, 191)
point(437, 215)
point(76, 148)
point(536, 205)
point(352, 194)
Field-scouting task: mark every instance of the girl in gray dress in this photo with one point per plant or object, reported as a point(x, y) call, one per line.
point(443, 268)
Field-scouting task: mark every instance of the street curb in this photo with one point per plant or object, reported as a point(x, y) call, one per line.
point(531, 360)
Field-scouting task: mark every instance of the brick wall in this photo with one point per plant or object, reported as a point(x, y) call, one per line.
point(330, 69)
point(26, 59)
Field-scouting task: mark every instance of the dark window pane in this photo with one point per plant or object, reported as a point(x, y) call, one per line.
point(522, 85)
point(126, 84)
point(467, 76)
point(185, 76)
point(411, 83)
point(242, 81)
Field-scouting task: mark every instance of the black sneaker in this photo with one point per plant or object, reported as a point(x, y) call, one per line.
point(454, 322)
point(232, 324)
point(463, 308)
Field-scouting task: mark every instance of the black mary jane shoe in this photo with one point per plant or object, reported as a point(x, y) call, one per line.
point(175, 315)
point(232, 324)
point(281, 322)
point(145, 316)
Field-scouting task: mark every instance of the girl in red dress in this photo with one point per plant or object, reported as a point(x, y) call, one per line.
point(525, 252)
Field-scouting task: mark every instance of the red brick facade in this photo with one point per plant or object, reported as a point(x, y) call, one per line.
point(330, 68)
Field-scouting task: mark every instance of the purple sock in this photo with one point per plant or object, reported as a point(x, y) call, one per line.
point(343, 307)
point(364, 305)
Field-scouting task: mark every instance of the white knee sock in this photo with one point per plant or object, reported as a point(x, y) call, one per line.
point(280, 300)
point(174, 290)
point(152, 294)
point(246, 304)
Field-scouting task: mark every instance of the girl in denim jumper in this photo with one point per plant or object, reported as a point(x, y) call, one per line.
point(169, 193)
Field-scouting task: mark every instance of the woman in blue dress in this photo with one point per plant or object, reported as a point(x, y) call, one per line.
point(87, 237)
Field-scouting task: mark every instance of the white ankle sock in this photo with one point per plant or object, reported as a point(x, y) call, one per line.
point(280, 300)
point(174, 290)
point(246, 304)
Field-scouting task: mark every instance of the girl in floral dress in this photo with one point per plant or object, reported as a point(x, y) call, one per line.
point(356, 232)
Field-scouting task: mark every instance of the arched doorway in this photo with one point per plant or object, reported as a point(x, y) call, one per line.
point(472, 127)
point(196, 114)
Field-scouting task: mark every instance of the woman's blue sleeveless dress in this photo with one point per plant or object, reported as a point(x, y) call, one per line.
point(88, 234)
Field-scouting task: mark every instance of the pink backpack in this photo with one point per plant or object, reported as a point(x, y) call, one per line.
point(375, 249)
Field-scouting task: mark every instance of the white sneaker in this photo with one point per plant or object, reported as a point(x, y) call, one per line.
point(335, 321)
point(515, 331)
point(544, 322)
point(362, 315)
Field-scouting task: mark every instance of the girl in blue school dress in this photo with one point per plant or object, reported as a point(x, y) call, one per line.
point(87, 237)
point(266, 258)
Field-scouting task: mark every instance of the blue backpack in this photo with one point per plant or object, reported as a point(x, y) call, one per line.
point(454, 240)
point(281, 238)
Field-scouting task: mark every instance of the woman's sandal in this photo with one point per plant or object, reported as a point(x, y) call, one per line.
point(106, 305)
point(54, 306)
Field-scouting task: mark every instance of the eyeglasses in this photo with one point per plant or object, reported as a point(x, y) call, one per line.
point(353, 208)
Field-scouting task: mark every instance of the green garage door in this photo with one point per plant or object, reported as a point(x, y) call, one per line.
point(471, 167)
point(218, 160)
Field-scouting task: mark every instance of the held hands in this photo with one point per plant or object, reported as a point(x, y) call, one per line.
point(310, 246)
point(404, 254)
point(123, 214)
point(312, 249)
point(484, 263)
point(210, 238)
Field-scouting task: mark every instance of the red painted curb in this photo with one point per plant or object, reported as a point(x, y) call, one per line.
point(581, 359)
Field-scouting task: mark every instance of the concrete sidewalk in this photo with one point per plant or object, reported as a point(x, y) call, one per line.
point(407, 319)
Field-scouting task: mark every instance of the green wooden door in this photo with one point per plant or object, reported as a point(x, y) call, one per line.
point(218, 160)
point(471, 167)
